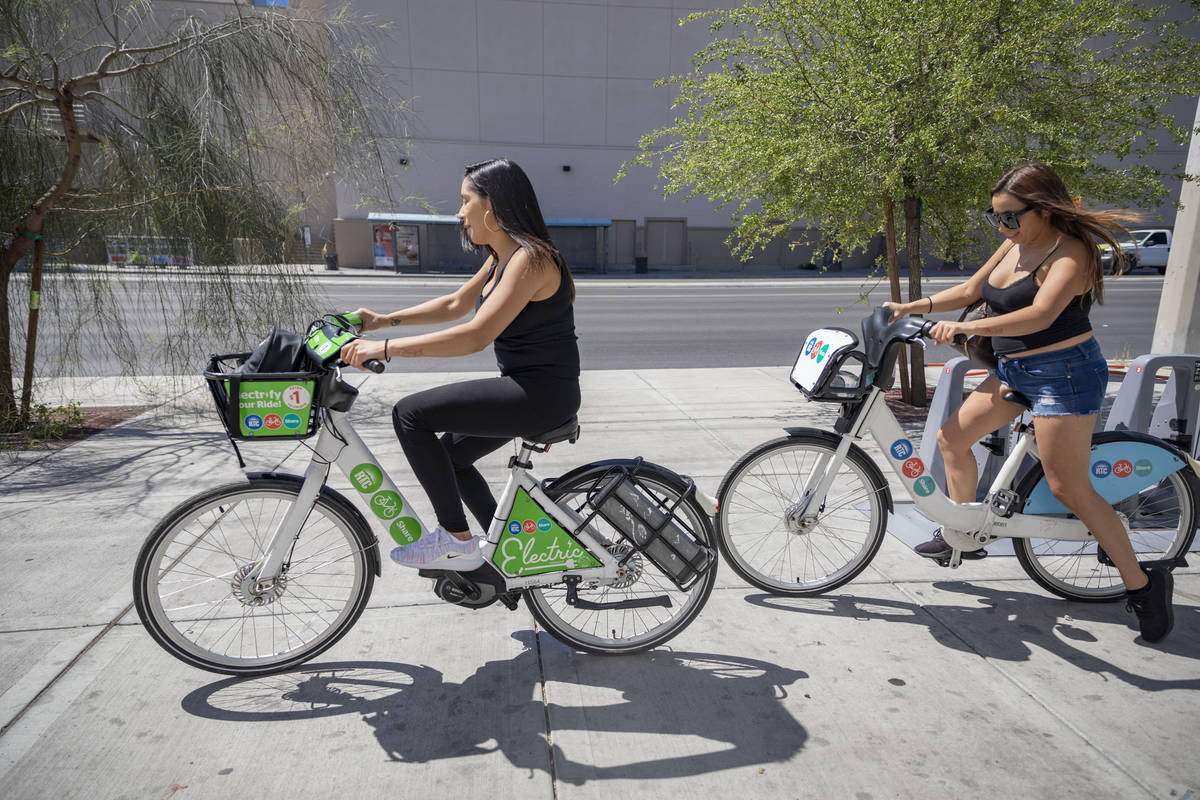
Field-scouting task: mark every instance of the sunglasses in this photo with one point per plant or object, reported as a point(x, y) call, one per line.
point(1009, 219)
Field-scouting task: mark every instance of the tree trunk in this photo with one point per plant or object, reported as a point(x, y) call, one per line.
point(893, 271)
point(912, 246)
point(26, 232)
point(35, 290)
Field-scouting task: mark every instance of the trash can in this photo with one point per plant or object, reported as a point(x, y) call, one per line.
point(331, 261)
point(639, 265)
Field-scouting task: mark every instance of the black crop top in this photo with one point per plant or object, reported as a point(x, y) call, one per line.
point(1071, 322)
point(540, 341)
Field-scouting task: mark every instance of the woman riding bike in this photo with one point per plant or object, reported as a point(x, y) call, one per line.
point(1040, 285)
point(523, 298)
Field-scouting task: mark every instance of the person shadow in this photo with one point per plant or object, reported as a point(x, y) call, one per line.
point(1007, 625)
point(517, 705)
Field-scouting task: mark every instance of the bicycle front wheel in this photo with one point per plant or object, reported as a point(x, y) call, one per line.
point(764, 541)
point(192, 592)
point(625, 630)
point(1161, 521)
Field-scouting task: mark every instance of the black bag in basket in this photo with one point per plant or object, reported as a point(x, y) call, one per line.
point(281, 351)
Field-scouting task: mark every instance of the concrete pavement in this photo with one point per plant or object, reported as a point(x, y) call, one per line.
point(911, 681)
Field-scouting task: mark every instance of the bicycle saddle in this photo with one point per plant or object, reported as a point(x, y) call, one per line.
point(569, 430)
point(1013, 396)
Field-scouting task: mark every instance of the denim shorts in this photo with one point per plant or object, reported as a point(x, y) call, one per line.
point(1069, 382)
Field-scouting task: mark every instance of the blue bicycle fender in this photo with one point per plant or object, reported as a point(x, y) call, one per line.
point(1118, 469)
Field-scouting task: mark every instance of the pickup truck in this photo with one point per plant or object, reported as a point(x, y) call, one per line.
point(1149, 248)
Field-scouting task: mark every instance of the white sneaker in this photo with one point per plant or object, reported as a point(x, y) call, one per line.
point(440, 550)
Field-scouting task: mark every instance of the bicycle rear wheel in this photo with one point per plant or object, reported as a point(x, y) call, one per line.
point(1161, 521)
point(191, 591)
point(800, 557)
point(628, 630)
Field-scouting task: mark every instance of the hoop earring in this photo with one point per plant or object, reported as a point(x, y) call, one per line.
point(485, 216)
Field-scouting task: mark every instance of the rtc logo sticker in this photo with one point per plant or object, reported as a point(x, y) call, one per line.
point(924, 486)
point(254, 422)
point(901, 449)
point(296, 396)
point(808, 347)
point(1142, 468)
point(1101, 469)
point(1122, 469)
point(366, 478)
point(530, 526)
point(913, 468)
point(273, 421)
point(514, 527)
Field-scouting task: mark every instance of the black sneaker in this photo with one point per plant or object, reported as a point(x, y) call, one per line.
point(1152, 604)
point(937, 548)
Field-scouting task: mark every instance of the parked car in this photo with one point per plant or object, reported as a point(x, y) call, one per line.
point(1149, 247)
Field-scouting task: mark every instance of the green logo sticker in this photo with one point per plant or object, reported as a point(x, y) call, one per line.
point(533, 544)
point(386, 505)
point(821, 355)
point(1143, 467)
point(924, 486)
point(405, 530)
point(366, 478)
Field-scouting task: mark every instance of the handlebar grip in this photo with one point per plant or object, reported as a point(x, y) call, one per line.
point(375, 365)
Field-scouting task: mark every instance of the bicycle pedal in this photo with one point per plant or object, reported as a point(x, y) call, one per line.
point(1103, 557)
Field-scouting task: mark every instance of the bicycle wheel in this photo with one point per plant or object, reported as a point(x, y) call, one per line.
point(190, 589)
point(1162, 522)
point(800, 557)
point(627, 630)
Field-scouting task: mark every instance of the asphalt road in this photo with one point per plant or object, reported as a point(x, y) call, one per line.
point(628, 323)
point(657, 324)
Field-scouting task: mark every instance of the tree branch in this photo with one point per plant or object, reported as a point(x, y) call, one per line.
point(103, 96)
point(15, 107)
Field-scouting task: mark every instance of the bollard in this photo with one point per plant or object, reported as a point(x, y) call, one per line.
point(1173, 417)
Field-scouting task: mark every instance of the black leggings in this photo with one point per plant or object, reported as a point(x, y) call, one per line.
point(477, 418)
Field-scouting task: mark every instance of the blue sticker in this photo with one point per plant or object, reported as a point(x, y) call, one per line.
point(543, 525)
point(254, 422)
point(1102, 469)
point(808, 347)
point(901, 449)
point(514, 527)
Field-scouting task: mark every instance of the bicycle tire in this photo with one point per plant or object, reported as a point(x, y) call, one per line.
point(186, 580)
point(766, 550)
point(1074, 571)
point(624, 631)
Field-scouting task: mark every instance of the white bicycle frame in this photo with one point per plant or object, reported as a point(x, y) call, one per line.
point(338, 443)
point(982, 520)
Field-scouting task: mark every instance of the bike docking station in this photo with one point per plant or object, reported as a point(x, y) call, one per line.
point(1170, 414)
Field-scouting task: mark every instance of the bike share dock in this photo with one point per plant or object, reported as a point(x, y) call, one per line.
point(910, 682)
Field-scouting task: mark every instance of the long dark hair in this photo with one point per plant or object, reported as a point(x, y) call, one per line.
point(1038, 185)
point(515, 209)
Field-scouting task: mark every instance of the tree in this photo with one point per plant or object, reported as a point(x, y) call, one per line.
point(205, 130)
point(842, 113)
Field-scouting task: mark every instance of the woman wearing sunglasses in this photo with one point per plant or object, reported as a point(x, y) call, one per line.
point(1040, 285)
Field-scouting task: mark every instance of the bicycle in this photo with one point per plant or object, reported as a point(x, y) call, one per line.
point(804, 514)
point(255, 577)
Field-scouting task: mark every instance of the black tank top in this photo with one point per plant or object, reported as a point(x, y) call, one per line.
point(1071, 322)
point(540, 342)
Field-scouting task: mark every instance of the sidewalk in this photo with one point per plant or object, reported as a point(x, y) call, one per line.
point(911, 682)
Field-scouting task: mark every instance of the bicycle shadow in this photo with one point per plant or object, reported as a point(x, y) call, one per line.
point(418, 717)
point(1009, 624)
